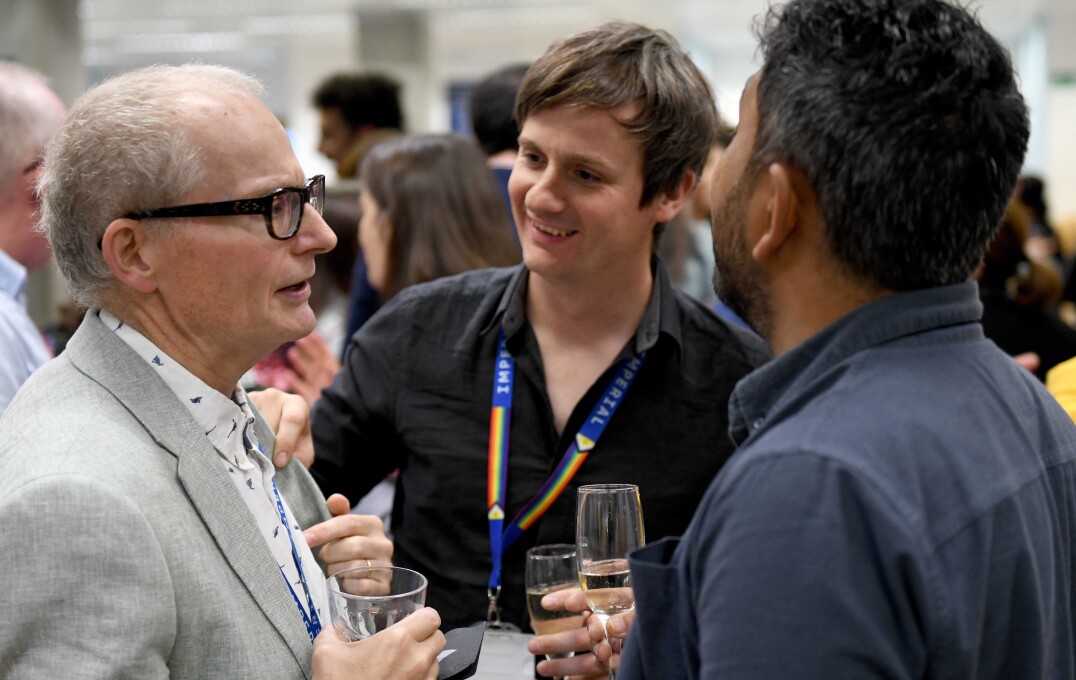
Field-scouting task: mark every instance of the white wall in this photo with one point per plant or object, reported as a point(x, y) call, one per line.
point(1061, 156)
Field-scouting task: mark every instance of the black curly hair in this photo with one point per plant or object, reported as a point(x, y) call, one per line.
point(906, 119)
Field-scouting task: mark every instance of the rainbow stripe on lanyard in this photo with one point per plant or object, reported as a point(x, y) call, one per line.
point(582, 444)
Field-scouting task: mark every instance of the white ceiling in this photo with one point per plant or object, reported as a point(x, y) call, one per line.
point(718, 26)
point(460, 40)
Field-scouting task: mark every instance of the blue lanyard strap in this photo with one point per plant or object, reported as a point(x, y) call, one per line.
point(311, 620)
point(500, 538)
point(504, 370)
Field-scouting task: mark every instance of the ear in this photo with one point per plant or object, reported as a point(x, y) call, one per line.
point(124, 247)
point(784, 207)
point(668, 203)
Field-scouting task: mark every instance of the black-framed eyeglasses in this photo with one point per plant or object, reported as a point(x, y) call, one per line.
point(282, 209)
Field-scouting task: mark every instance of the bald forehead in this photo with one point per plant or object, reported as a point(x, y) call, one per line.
point(225, 121)
point(201, 107)
point(243, 145)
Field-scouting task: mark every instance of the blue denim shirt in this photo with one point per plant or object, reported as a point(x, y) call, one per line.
point(902, 505)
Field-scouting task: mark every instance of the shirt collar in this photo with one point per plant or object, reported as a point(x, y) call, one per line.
point(222, 418)
point(661, 316)
point(12, 276)
point(895, 316)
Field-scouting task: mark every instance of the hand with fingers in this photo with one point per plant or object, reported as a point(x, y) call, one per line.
point(313, 367)
point(608, 642)
point(348, 540)
point(406, 650)
point(592, 653)
point(1028, 360)
point(288, 416)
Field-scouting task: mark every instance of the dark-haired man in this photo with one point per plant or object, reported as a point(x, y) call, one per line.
point(357, 111)
point(901, 503)
point(590, 312)
point(494, 124)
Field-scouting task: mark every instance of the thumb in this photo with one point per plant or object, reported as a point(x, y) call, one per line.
point(422, 624)
point(338, 505)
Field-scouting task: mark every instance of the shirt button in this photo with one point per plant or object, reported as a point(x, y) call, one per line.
point(757, 424)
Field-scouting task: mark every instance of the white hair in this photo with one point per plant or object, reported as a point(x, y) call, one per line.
point(29, 112)
point(125, 146)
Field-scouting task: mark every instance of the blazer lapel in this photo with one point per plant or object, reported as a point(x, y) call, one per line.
point(101, 355)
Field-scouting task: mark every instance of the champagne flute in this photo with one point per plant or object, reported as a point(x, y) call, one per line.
point(609, 525)
point(551, 568)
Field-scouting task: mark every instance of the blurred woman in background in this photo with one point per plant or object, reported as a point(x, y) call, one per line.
point(1019, 293)
point(430, 209)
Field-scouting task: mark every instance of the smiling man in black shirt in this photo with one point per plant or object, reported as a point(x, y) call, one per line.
point(587, 338)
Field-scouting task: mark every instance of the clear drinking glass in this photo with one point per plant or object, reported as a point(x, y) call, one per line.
point(609, 525)
point(366, 600)
point(551, 568)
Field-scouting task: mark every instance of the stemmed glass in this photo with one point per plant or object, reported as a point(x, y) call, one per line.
point(609, 525)
point(551, 568)
point(366, 600)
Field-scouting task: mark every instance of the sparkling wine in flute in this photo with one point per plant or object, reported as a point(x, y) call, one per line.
point(544, 621)
point(607, 586)
point(609, 525)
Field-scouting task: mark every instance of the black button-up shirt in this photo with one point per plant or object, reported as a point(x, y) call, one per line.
point(415, 394)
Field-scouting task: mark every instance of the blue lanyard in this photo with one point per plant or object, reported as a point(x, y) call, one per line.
point(312, 621)
point(574, 457)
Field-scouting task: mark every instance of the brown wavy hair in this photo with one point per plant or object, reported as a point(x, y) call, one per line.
point(618, 63)
point(443, 207)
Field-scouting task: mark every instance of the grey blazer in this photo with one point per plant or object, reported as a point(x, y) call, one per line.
point(125, 552)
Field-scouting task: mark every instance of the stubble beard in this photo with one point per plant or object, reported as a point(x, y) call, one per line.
point(737, 281)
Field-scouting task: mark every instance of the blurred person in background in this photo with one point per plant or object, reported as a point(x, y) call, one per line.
point(494, 125)
point(1020, 293)
point(687, 246)
point(29, 113)
point(1042, 241)
point(428, 212)
point(357, 110)
point(332, 281)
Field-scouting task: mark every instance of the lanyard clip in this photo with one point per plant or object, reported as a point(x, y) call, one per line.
point(493, 614)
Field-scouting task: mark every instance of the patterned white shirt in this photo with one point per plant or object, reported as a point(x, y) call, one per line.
point(228, 423)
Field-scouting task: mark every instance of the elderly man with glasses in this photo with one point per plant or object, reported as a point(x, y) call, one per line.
point(146, 533)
